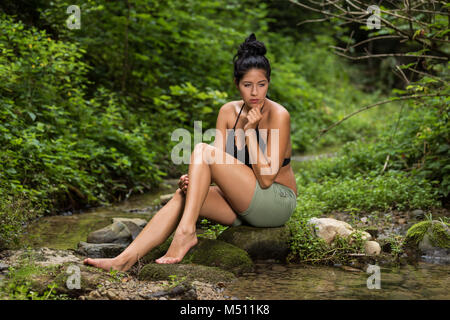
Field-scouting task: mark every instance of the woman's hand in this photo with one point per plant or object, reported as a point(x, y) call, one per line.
point(253, 117)
point(183, 183)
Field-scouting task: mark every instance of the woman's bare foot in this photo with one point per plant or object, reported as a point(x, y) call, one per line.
point(181, 243)
point(106, 264)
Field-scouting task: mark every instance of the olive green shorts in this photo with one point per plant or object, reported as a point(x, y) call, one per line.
point(270, 207)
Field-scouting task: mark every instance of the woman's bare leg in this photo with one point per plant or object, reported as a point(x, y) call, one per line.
point(162, 224)
point(157, 230)
point(236, 181)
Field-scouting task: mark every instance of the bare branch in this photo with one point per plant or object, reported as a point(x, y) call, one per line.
point(376, 38)
point(431, 12)
point(312, 20)
point(427, 75)
point(382, 55)
point(403, 74)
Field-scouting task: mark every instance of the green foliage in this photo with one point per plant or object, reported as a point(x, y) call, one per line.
point(86, 115)
point(55, 143)
point(153, 45)
point(315, 86)
point(393, 190)
point(174, 281)
point(211, 230)
point(422, 143)
point(116, 275)
point(14, 213)
point(396, 245)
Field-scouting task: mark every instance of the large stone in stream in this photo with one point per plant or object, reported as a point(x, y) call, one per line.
point(135, 225)
point(259, 243)
point(100, 250)
point(116, 232)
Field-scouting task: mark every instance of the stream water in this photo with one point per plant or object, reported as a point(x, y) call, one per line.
point(269, 281)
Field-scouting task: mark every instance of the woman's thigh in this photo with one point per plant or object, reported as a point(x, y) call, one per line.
point(236, 180)
point(217, 208)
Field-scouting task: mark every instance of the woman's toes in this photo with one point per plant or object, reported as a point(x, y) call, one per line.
point(167, 260)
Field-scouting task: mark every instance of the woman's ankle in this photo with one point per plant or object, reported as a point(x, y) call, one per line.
point(124, 261)
point(186, 229)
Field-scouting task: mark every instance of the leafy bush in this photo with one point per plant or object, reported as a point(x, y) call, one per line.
point(58, 149)
point(14, 213)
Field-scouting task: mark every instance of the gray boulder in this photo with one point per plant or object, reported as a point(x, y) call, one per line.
point(116, 232)
point(100, 250)
point(135, 226)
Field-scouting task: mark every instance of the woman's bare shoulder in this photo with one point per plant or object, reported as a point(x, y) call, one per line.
point(279, 110)
point(228, 111)
point(230, 107)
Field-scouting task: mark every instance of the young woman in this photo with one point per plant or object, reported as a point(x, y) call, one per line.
point(245, 191)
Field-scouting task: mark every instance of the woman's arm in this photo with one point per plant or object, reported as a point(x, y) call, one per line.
point(267, 165)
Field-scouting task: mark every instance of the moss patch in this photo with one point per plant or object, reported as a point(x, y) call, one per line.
point(216, 253)
point(437, 233)
point(157, 272)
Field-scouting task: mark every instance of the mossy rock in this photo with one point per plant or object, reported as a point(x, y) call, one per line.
point(208, 252)
point(157, 272)
point(427, 234)
point(260, 243)
point(43, 277)
point(216, 253)
point(90, 279)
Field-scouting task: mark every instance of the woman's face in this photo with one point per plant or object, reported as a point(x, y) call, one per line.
point(253, 87)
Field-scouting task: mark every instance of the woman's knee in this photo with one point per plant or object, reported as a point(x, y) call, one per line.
point(204, 152)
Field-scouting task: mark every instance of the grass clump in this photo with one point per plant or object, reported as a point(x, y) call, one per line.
point(28, 282)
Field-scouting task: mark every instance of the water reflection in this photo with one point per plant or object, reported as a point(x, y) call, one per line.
point(66, 231)
point(425, 281)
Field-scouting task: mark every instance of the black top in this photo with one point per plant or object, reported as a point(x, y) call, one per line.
point(231, 143)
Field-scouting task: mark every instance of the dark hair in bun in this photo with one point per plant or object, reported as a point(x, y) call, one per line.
point(250, 55)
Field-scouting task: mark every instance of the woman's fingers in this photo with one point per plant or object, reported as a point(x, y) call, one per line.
point(183, 183)
point(182, 180)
